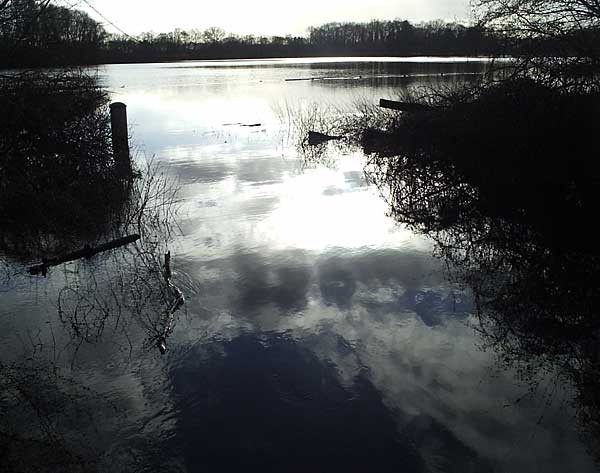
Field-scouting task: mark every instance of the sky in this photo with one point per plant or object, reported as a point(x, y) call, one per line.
point(260, 17)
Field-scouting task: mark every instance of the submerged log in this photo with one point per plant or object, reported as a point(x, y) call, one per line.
point(85, 252)
point(316, 138)
point(404, 106)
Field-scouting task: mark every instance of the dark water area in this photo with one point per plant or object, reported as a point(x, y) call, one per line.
point(317, 333)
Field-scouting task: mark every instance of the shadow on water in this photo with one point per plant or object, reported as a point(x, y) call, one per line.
point(132, 283)
point(282, 408)
point(124, 300)
point(502, 179)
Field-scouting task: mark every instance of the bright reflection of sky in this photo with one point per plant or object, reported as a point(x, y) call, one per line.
point(279, 247)
point(326, 60)
point(319, 209)
point(244, 185)
point(290, 254)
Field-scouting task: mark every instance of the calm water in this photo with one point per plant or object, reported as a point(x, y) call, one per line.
point(317, 334)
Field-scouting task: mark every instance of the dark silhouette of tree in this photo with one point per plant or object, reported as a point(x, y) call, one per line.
point(558, 40)
point(397, 37)
point(400, 37)
point(36, 32)
point(214, 34)
point(501, 177)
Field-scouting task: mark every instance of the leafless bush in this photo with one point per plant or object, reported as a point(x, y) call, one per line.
point(126, 290)
point(57, 174)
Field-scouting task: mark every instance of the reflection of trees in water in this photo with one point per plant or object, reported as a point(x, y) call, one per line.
point(123, 300)
point(130, 285)
point(502, 180)
point(47, 419)
point(61, 194)
point(507, 201)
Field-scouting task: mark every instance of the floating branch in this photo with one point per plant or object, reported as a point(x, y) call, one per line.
point(404, 106)
point(85, 252)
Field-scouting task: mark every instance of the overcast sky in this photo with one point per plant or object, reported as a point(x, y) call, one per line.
point(262, 17)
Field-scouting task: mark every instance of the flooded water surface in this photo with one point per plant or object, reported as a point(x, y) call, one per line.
point(317, 333)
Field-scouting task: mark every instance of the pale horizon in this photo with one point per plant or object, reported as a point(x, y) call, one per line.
point(261, 17)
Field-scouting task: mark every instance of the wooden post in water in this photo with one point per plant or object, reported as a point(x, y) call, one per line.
point(120, 138)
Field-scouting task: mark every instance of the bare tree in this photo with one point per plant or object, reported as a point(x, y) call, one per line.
point(214, 34)
point(539, 17)
point(559, 39)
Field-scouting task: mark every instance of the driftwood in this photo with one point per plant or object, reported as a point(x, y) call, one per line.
point(85, 252)
point(404, 106)
point(316, 138)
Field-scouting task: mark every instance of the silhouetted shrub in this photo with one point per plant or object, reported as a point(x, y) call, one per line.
point(56, 166)
point(504, 178)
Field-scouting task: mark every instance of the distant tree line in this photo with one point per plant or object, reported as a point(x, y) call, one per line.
point(373, 38)
point(39, 33)
point(212, 43)
point(400, 37)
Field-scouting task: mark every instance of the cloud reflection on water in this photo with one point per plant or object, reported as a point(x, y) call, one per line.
point(318, 333)
point(311, 303)
point(446, 400)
